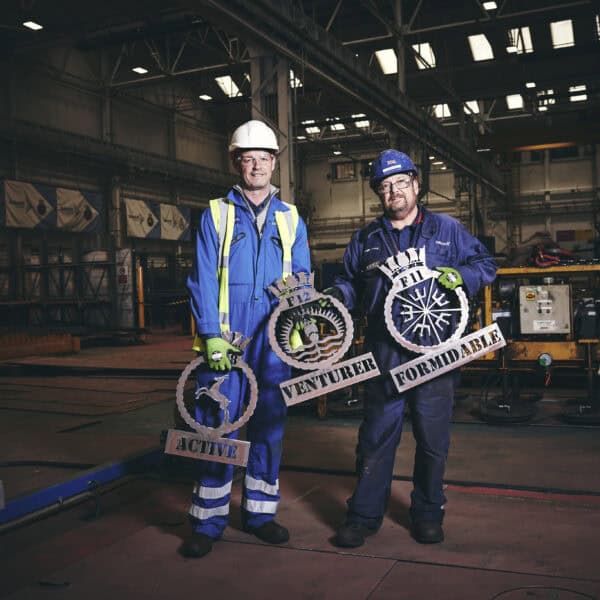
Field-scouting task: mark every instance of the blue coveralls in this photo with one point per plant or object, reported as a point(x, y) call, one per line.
point(255, 262)
point(365, 287)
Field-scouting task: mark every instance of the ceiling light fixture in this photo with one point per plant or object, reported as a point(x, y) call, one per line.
point(205, 97)
point(139, 70)
point(490, 5)
point(33, 25)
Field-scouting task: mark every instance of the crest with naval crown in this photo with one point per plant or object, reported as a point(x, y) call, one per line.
point(420, 314)
point(308, 330)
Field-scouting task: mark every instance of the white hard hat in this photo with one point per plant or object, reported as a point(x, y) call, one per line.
point(253, 135)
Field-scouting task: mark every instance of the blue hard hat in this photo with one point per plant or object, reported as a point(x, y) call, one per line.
point(390, 162)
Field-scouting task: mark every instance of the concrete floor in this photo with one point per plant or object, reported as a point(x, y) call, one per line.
point(522, 515)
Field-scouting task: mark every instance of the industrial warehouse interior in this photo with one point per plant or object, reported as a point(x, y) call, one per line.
point(115, 123)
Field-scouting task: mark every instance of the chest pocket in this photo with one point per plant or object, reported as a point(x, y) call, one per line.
point(440, 255)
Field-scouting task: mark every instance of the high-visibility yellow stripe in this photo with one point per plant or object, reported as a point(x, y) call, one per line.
point(223, 272)
point(287, 222)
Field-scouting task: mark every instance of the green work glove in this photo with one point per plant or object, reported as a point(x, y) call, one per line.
point(296, 338)
point(331, 291)
point(450, 278)
point(217, 356)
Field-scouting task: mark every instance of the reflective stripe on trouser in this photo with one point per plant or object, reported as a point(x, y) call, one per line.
point(211, 504)
point(264, 431)
point(379, 436)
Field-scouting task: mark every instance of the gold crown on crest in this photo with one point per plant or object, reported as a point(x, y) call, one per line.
point(403, 261)
point(293, 284)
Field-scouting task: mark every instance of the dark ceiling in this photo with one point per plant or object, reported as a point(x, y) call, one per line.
point(192, 42)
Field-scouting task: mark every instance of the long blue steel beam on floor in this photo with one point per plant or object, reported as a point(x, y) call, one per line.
point(56, 495)
point(282, 26)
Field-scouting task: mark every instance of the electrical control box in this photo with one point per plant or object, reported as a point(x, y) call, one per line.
point(545, 309)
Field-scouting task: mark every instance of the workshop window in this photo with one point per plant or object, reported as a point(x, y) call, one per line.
point(343, 171)
point(560, 153)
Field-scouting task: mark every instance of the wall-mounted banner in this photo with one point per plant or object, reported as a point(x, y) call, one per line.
point(35, 206)
point(153, 220)
point(312, 331)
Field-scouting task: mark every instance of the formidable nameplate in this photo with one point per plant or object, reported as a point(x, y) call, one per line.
point(451, 356)
point(194, 445)
point(313, 331)
point(207, 443)
point(337, 376)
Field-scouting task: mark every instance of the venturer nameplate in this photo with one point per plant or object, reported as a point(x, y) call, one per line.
point(313, 331)
point(206, 443)
point(338, 376)
point(452, 355)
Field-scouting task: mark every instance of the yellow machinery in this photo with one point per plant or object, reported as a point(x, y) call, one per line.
point(550, 318)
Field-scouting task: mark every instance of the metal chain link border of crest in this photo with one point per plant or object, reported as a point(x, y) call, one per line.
point(212, 433)
point(460, 328)
point(323, 364)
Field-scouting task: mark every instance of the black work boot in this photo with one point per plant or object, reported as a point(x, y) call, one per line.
point(427, 532)
point(352, 535)
point(270, 532)
point(196, 546)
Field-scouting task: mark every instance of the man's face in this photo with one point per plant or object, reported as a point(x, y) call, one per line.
point(255, 168)
point(398, 194)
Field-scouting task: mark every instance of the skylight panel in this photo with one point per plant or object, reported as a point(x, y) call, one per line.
point(313, 129)
point(441, 111)
point(530, 84)
point(33, 25)
point(337, 127)
point(562, 34)
point(514, 101)
point(545, 99)
point(387, 61)
point(491, 5)
point(576, 93)
point(424, 55)
point(471, 107)
point(294, 81)
point(481, 48)
point(519, 40)
point(362, 124)
point(228, 86)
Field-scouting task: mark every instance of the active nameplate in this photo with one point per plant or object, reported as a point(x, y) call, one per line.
point(207, 443)
point(313, 331)
point(194, 445)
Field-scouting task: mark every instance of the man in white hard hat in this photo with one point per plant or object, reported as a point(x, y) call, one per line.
point(268, 241)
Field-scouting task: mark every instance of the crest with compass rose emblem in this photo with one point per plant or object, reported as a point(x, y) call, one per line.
point(420, 314)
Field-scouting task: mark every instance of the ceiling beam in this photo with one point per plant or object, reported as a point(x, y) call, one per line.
point(282, 26)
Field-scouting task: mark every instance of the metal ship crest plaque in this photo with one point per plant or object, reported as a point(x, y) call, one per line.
point(426, 318)
point(207, 443)
point(312, 331)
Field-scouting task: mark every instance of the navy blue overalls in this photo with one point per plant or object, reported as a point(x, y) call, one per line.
point(365, 287)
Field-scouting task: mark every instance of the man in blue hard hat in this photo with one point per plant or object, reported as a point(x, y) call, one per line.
point(462, 261)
